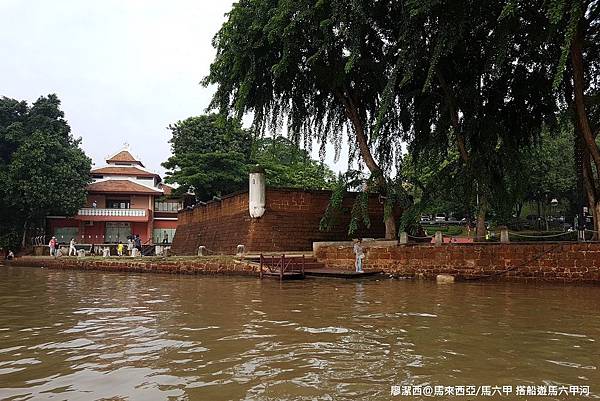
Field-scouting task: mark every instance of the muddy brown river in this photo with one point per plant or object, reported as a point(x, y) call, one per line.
point(69, 335)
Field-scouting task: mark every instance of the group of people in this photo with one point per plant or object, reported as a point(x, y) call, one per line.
point(134, 242)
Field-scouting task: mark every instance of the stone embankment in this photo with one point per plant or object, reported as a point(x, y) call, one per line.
point(174, 265)
point(558, 261)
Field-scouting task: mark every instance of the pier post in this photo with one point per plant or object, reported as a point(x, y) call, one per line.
point(202, 250)
point(403, 237)
point(439, 238)
point(504, 234)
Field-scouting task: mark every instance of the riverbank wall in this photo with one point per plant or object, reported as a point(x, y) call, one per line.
point(211, 265)
point(290, 222)
point(558, 261)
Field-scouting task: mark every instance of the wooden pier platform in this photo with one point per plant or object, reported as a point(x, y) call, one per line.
point(334, 273)
point(297, 267)
point(286, 275)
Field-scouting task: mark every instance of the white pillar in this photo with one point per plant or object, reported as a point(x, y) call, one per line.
point(257, 192)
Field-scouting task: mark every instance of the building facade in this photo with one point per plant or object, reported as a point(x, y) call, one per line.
point(124, 199)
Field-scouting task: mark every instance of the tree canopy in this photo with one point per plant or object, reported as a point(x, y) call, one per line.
point(43, 170)
point(473, 76)
point(212, 155)
point(321, 67)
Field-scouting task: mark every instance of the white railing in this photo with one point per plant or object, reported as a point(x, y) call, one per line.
point(112, 212)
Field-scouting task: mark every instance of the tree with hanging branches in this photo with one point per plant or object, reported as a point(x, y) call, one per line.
point(321, 68)
point(574, 26)
point(484, 97)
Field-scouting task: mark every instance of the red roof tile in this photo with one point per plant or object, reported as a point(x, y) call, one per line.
point(125, 170)
point(168, 190)
point(124, 156)
point(122, 187)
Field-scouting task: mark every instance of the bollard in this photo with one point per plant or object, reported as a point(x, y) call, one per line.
point(504, 234)
point(439, 238)
point(241, 250)
point(403, 238)
point(202, 250)
point(444, 278)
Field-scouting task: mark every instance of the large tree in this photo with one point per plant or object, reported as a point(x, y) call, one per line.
point(212, 155)
point(486, 93)
point(575, 26)
point(322, 67)
point(43, 170)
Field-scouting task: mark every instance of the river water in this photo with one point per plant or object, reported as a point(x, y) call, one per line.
point(68, 335)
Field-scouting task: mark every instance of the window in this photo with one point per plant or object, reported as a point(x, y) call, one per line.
point(167, 206)
point(64, 234)
point(160, 234)
point(118, 204)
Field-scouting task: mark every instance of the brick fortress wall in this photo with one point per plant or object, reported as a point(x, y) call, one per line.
point(290, 223)
point(547, 261)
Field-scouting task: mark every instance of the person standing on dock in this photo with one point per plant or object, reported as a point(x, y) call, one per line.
point(53, 244)
point(120, 249)
point(129, 246)
point(138, 244)
point(72, 247)
point(359, 255)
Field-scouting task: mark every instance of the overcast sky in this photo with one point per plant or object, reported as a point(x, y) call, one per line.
point(123, 70)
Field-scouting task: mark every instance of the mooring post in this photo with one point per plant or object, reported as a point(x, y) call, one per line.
point(504, 235)
point(260, 274)
point(240, 250)
point(403, 238)
point(439, 238)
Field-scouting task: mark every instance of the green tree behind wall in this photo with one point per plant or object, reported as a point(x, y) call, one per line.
point(212, 156)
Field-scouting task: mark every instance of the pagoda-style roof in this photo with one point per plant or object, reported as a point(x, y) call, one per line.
point(167, 189)
point(122, 187)
point(123, 170)
point(123, 157)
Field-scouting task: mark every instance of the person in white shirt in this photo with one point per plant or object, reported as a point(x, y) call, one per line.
point(359, 254)
point(72, 247)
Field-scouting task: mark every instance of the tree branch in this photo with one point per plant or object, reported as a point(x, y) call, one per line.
point(460, 138)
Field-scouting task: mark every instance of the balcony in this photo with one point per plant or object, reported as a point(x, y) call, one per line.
point(96, 214)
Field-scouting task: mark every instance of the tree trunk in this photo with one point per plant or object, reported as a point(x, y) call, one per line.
point(390, 227)
point(591, 152)
point(518, 209)
point(353, 114)
point(24, 238)
point(480, 228)
point(578, 88)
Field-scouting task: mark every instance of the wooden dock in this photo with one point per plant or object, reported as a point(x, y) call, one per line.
point(334, 273)
point(297, 267)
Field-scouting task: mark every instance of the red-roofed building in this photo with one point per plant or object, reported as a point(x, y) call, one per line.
point(124, 199)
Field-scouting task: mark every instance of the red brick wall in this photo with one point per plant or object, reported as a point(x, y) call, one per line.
point(541, 261)
point(290, 223)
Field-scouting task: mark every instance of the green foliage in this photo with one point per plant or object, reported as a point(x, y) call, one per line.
point(307, 63)
point(286, 165)
point(43, 171)
point(212, 156)
point(352, 180)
